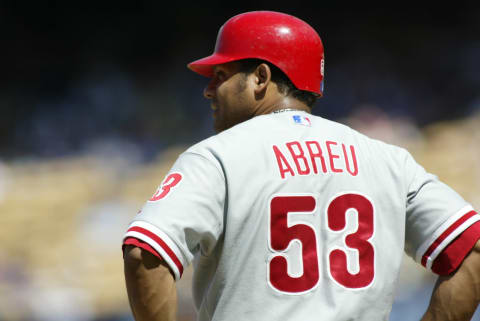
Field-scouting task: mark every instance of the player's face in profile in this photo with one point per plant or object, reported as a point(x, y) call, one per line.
point(231, 101)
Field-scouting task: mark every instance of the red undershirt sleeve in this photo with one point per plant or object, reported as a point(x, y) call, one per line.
point(140, 244)
point(453, 255)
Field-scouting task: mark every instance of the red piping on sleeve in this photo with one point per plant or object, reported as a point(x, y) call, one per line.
point(445, 234)
point(161, 243)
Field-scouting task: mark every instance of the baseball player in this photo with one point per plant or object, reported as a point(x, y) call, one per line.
point(290, 216)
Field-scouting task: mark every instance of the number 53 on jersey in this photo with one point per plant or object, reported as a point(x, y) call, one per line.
point(281, 233)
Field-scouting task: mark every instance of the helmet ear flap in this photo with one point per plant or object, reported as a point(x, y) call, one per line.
point(287, 42)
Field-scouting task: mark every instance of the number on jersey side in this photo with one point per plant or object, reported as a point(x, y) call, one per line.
point(168, 183)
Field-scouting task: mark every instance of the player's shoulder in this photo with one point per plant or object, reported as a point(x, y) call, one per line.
point(202, 149)
point(239, 132)
point(212, 148)
point(381, 149)
point(380, 144)
point(216, 147)
point(201, 155)
point(346, 130)
point(373, 147)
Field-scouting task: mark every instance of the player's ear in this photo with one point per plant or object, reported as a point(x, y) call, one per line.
point(263, 75)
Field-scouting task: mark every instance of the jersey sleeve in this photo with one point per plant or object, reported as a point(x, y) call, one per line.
point(185, 215)
point(436, 219)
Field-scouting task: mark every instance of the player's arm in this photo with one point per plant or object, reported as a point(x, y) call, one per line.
point(150, 286)
point(456, 296)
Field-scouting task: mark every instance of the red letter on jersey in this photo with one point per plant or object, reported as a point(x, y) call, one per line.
point(332, 156)
point(298, 156)
point(354, 160)
point(314, 155)
point(336, 214)
point(283, 165)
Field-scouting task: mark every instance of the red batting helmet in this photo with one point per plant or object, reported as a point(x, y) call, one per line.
point(281, 39)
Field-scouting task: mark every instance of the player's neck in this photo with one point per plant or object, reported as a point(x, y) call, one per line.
point(282, 104)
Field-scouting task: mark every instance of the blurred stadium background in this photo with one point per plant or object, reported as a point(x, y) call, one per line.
point(96, 103)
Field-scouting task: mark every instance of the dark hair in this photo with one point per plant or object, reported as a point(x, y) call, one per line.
point(284, 84)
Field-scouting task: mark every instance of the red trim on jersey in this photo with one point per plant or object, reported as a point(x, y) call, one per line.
point(452, 256)
point(161, 243)
point(139, 243)
point(444, 235)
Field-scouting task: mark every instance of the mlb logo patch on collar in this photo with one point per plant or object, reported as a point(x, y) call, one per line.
point(301, 120)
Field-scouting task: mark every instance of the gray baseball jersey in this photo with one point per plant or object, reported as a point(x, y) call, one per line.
point(289, 216)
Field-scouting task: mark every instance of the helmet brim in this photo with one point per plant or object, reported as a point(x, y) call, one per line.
point(205, 65)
